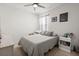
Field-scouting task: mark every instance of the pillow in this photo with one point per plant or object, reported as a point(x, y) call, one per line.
point(46, 33)
point(42, 33)
point(49, 33)
point(54, 34)
point(37, 32)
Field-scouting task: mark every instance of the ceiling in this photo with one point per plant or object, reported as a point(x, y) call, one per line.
point(30, 8)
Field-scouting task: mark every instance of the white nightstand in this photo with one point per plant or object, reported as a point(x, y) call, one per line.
point(65, 43)
point(6, 46)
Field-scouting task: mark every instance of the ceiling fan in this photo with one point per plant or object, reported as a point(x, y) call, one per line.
point(34, 5)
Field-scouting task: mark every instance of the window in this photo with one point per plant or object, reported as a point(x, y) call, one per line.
point(43, 23)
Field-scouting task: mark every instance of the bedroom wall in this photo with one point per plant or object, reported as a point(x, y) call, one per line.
point(16, 23)
point(63, 27)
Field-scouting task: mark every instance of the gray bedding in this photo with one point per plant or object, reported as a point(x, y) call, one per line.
point(37, 45)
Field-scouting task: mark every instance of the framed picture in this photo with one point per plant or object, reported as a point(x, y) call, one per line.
point(54, 19)
point(64, 17)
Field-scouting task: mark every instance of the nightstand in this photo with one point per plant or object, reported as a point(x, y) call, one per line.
point(65, 43)
point(6, 46)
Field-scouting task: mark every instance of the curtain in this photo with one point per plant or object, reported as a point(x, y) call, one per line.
point(43, 23)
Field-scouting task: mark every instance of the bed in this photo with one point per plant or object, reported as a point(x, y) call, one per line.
point(37, 45)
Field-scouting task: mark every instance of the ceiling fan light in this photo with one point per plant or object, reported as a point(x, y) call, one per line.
point(35, 5)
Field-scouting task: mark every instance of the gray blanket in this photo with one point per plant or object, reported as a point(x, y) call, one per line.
point(37, 45)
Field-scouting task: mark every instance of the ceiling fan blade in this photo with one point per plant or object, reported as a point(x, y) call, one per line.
point(41, 6)
point(28, 5)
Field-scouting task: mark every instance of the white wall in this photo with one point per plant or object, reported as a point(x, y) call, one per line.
point(62, 27)
point(16, 23)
